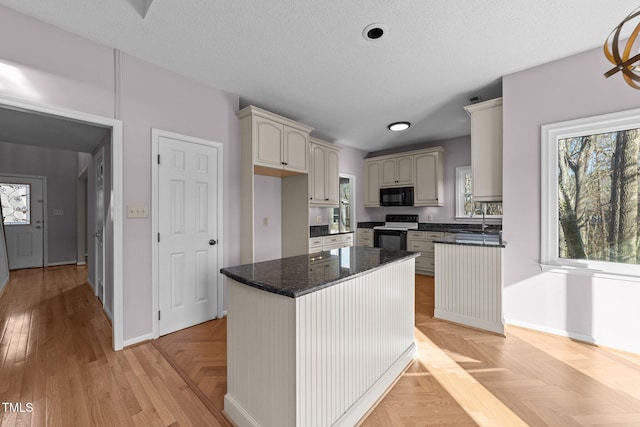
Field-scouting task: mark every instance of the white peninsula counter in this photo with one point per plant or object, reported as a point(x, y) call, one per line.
point(468, 280)
point(316, 340)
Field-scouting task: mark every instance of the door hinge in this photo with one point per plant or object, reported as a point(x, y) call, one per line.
point(158, 237)
point(158, 158)
point(158, 314)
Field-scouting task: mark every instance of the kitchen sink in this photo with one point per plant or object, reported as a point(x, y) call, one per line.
point(479, 238)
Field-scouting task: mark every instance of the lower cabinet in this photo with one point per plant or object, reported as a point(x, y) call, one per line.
point(364, 237)
point(333, 241)
point(422, 241)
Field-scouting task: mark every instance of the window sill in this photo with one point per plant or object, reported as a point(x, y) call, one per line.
point(581, 271)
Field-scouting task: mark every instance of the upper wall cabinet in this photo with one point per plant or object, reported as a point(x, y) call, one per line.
point(486, 150)
point(397, 171)
point(429, 177)
point(324, 180)
point(421, 169)
point(277, 142)
point(372, 181)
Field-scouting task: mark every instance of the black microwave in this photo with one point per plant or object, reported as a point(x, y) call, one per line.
point(396, 196)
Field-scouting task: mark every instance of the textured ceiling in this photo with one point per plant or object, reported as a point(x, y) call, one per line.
point(307, 60)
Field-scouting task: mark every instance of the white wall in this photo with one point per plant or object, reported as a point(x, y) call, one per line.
point(60, 168)
point(267, 204)
point(46, 65)
point(592, 309)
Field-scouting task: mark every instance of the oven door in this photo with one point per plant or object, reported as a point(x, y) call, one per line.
point(390, 239)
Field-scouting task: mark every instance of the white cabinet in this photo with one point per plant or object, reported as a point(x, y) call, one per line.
point(277, 142)
point(422, 241)
point(275, 146)
point(486, 150)
point(397, 171)
point(323, 174)
point(429, 177)
point(332, 241)
point(372, 173)
point(421, 169)
point(364, 237)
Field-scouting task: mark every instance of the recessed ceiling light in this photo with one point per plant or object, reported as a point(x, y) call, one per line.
point(399, 126)
point(374, 31)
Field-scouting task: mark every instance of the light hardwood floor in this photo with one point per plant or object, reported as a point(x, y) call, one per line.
point(55, 352)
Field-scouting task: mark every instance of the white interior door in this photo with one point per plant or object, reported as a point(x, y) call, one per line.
point(23, 213)
point(99, 235)
point(188, 233)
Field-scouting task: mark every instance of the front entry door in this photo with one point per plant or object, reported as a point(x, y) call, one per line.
point(187, 223)
point(23, 213)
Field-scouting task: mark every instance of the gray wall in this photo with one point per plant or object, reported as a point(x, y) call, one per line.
point(75, 73)
point(590, 308)
point(267, 204)
point(60, 167)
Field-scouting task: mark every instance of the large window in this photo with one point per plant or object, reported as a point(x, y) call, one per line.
point(466, 207)
point(590, 217)
point(16, 203)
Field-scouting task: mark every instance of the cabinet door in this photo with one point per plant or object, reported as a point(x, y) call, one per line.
point(428, 180)
point(372, 184)
point(296, 150)
point(267, 145)
point(486, 154)
point(389, 175)
point(404, 170)
point(332, 178)
point(317, 174)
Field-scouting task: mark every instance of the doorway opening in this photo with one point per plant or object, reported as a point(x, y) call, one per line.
point(29, 124)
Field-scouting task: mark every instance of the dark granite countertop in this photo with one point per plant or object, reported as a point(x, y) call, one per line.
point(454, 228)
point(370, 224)
point(323, 230)
point(443, 227)
point(295, 276)
point(474, 239)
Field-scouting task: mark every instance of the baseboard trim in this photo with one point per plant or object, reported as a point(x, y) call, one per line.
point(81, 263)
point(497, 328)
point(57, 264)
point(90, 283)
point(136, 340)
point(108, 313)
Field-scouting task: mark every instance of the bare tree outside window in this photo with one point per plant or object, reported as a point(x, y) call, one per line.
point(598, 197)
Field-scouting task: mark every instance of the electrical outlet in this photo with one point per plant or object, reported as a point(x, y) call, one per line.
point(137, 211)
point(319, 219)
point(265, 221)
point(430, 217)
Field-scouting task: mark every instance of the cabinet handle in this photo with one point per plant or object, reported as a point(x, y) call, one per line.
point(326, 199)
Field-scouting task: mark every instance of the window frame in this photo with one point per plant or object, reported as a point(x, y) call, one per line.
point(549, 248)
point(461, 171)
point(30, 206)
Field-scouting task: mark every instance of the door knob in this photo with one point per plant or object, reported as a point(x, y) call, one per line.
point(212, 242)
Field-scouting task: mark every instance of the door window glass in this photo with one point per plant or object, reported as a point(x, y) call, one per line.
point(16, 203)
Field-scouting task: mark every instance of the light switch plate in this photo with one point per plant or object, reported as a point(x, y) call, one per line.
point(137, 211)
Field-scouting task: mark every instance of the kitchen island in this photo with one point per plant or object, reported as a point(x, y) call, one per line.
point(316, 340)
point(468, 280)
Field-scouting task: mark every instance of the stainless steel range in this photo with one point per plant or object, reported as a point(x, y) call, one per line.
point(393, 234)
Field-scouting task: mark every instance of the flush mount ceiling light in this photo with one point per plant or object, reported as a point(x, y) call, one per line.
point(399, 126)
point(629, 65)
point(374, 31)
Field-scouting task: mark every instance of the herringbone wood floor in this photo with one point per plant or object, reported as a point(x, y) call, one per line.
point(55, 351)
point(465, 377)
